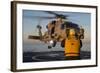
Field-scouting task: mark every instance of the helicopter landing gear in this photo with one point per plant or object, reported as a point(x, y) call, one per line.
point(63, 43)
point(49, 47)
point(54, 43)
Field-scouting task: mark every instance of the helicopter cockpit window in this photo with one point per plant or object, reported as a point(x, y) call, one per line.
point(53, 22)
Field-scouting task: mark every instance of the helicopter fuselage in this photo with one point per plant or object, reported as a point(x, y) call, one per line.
point(58, 31)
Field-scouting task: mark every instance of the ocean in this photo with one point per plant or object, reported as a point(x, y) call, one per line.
point(42, 47)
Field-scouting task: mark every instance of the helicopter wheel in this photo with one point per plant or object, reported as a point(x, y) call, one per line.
point(49, 47)
point(63, 43)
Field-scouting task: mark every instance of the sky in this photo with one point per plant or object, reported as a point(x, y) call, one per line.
point(31, 20)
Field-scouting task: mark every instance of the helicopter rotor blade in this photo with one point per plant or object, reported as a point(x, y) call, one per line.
point(50, 12)
point(41, 17)
point(44, 17)
point(56, 14)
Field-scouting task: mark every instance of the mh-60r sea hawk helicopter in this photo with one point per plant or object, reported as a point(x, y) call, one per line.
point(60, 30)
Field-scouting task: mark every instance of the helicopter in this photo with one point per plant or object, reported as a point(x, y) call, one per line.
point(69, 34)
point(58, 30)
